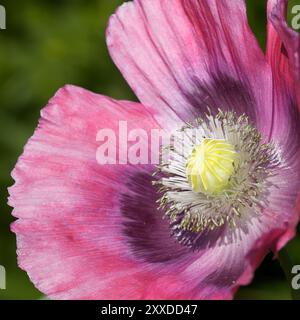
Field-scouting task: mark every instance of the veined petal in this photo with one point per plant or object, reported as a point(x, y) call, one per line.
point(283, 42)
point(69, 231)
point(180, 56)
point(87, 231)
point(91, 232)
point(232, 261)
point(283, 56)
point(283, 53)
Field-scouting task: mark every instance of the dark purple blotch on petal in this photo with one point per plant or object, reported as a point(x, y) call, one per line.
point(147, 232)
point(225, 93)
point(199, 240)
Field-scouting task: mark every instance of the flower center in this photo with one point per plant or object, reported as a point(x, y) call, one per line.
point(211, 165)
point(216, 172)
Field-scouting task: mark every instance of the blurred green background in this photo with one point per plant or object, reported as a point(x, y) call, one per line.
point(47, 44)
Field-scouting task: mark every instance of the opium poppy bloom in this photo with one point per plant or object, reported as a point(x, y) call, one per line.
point(196, 225)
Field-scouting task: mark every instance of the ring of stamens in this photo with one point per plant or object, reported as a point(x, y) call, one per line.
point(188, 205)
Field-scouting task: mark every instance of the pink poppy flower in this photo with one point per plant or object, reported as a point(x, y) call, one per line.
point(91, 231)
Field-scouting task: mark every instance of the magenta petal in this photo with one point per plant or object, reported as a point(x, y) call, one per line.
point(283, 55)
point(283, 41)
point(180, 56)
point(232, 263)
point(223, 259)
point(216, 272)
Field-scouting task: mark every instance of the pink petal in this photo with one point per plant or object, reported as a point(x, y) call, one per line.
point(283, 55)
point(69, 227)
point(232, 263)
point(70, 233)
point(283, 42)
point(181, 55)
point(223, 259)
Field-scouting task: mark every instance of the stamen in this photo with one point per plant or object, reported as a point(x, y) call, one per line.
point(218, 172)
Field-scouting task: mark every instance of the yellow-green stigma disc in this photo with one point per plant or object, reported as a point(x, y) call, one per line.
point(211, 165)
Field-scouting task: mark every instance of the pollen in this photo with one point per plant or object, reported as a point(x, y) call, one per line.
point(211, 165)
